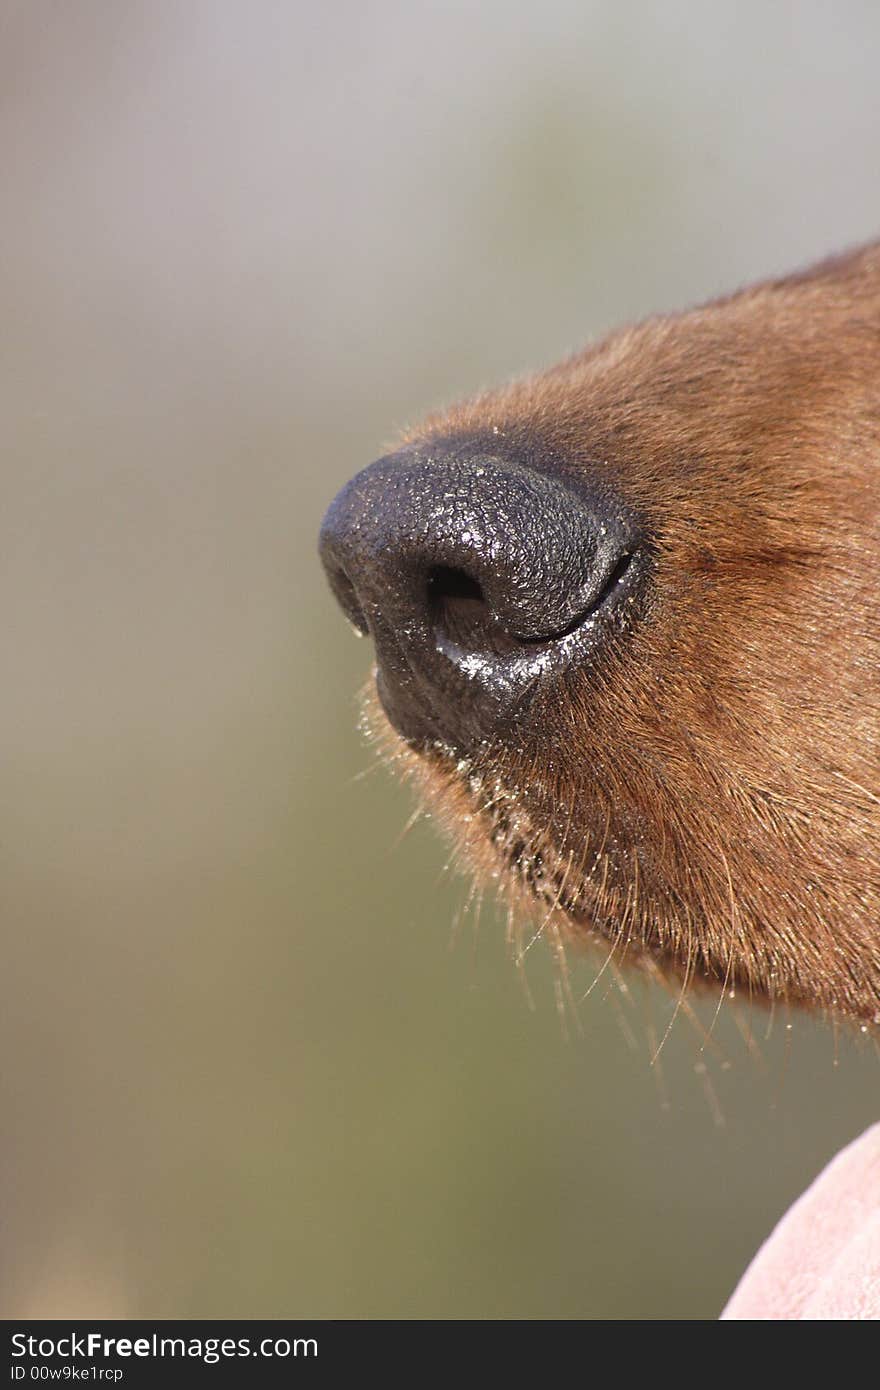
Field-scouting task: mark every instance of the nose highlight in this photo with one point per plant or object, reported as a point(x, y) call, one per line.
point(346, 595)
point(473, 574)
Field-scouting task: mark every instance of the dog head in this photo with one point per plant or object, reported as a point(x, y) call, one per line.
point(627, 627)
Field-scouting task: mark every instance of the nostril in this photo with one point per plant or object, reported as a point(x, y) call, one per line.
point(458, 610)
point(448, 584)
point(464, 621)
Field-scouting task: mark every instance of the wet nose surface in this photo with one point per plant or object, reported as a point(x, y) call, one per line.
point(475, 575)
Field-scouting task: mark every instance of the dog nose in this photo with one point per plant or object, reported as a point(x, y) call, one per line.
point(477, 576)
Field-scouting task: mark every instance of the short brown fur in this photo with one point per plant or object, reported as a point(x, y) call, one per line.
point(707, 796)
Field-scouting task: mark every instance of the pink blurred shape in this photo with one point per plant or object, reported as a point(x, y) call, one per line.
point(822, 1262)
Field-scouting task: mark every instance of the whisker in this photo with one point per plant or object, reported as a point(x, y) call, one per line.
point(715, 1110)
point(413, 820)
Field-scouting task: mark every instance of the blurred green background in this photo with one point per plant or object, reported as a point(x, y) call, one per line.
point(246, 1072)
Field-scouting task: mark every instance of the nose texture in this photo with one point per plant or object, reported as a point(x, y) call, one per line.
point(476, 575)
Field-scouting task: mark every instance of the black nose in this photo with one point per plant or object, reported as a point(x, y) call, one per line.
point(478, 577)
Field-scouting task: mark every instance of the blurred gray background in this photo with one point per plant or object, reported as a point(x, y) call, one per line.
point(246, 1072)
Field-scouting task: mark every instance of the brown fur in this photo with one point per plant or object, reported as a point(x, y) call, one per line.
point(707, 794)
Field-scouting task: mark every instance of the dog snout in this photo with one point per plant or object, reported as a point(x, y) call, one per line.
point(478, 578)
